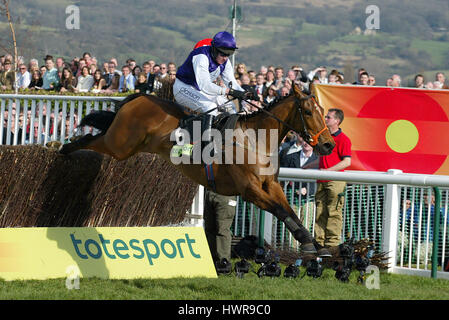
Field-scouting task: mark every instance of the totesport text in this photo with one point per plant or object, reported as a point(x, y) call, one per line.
point(134, 248)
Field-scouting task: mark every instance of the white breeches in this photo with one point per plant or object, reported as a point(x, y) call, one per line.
point(190, 97)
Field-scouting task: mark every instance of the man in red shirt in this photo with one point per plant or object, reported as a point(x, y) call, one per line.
point(329, 196)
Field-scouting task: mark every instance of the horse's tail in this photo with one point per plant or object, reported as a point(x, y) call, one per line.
point(100, 120)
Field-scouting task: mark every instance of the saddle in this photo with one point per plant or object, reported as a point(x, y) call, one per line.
point(225, 121)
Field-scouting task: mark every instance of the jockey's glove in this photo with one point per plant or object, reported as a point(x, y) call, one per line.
point(251, 94)
point(241, 95)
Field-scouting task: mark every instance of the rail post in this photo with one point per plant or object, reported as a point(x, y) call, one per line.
point(436, 231)
point(390, 221)
point(261, 228)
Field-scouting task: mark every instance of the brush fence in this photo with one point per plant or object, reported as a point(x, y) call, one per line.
point(149, 184)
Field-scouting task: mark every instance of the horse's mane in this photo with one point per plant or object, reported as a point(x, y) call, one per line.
point(161, 99)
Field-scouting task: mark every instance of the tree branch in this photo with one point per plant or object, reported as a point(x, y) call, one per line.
point(4, 9)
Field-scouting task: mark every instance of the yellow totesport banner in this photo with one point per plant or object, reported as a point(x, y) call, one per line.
point(112, 253)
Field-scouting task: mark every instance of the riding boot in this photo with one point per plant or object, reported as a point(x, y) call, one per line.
point(186, 125)
point(206, 134)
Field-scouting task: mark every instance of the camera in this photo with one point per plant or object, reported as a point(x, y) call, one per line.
point(270, 269)
point(292, 271)
point(343, 270)
point(241, 267)
point(314, 268)
point(347, 248)
point(223, 266)
point(361, 263)
point(261, 256)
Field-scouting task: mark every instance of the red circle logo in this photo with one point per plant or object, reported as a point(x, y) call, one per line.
point(408, 113)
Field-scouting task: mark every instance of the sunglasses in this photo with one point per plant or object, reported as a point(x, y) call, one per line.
point(223, 54)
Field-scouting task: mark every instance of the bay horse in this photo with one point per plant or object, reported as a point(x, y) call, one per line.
point(144, 123)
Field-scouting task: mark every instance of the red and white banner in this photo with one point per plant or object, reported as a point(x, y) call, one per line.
point(393, 128)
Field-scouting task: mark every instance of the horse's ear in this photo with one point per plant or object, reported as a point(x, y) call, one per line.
point(311, 86)
point(297, 90)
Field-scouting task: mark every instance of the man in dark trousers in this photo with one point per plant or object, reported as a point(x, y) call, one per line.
point(219, 212)
point(299, 154)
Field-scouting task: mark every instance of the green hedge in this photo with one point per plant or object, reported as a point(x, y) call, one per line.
point(57, 93)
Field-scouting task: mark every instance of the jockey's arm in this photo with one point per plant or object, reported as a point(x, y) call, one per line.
point(201, 68)
point(228, 76)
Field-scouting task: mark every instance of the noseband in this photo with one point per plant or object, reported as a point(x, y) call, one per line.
point(312, 140)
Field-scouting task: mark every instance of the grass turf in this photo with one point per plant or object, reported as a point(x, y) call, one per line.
point(229, 287)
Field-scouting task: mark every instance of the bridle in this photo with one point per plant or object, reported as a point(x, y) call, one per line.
point(310, 139)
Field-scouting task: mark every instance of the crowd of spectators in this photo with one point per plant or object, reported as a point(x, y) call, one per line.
point(271, 81)
point(86, 74)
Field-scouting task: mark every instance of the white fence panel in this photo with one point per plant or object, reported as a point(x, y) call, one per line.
point(38, 119)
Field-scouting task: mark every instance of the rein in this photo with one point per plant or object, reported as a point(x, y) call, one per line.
point(312, 140)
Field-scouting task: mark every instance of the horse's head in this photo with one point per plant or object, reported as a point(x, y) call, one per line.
point(309, 122)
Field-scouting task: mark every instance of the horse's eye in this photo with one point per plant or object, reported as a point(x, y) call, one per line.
point(308, 112)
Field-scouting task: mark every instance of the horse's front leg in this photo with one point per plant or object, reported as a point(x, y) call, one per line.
point(273, 200)
point(274, 188)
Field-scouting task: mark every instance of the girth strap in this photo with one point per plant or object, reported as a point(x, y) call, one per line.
point(210, 176)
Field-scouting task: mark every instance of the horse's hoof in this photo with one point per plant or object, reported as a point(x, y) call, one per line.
point(324, 253)
point(308, 248)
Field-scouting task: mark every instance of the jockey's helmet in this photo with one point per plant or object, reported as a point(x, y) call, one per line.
point(224, 42)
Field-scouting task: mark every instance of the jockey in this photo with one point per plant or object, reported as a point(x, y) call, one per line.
point(194, 86)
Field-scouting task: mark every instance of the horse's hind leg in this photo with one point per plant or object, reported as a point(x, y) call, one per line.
point(95, 143)
point(78, 144)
